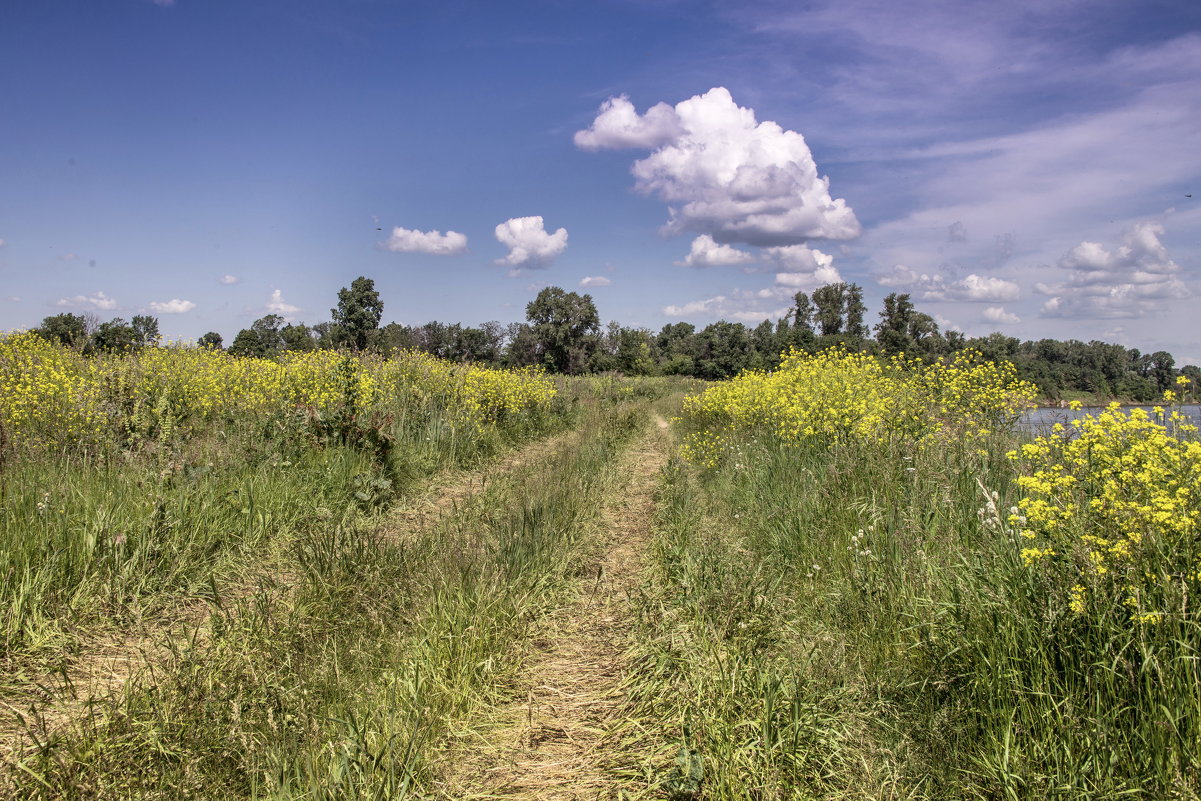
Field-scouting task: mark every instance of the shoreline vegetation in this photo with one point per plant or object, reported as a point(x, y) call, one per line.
point(563, 334)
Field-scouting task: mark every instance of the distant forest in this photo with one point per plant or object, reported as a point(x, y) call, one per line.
point(563, 333)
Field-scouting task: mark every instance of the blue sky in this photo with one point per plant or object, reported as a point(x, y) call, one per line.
point(1022, 167)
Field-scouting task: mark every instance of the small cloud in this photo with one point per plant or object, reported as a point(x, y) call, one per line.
point(2, 243)
point(98, 301)
point(228, 279)
point(589, 281)
point(14, 299)
point(618, 125)
point(173, 306)
point(803, 267)
point(277, 305)
point(435, 243)
point(705, 252)
point(997, 314)
point(164, 3)
point(530, 246)
point(68, 257)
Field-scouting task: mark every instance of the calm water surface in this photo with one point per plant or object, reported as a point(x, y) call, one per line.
point(1039, 421)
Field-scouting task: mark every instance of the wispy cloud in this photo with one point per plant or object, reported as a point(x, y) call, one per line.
point(741, 305)
point(97, 301)
point(173, 306)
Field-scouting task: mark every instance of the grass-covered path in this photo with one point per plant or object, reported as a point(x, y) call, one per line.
point(487, 612)
point(559, 738)
point(90, 681)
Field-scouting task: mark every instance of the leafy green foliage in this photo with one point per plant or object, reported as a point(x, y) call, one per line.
point(565, 326)
point(358, 312)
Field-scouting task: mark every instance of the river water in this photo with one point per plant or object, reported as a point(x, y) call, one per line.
point(1039, 421)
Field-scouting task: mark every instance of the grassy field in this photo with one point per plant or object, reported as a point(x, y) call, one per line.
point(347, 577)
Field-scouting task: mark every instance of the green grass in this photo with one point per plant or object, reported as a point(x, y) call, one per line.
point(345, 675)
point(841, 624)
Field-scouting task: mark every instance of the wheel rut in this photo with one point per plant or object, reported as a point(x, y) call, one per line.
point(553, 741)
point(35, 709)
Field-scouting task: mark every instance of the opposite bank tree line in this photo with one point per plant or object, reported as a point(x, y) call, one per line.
point(563, 333)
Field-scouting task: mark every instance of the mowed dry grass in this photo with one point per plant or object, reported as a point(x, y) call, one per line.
point(554, 740)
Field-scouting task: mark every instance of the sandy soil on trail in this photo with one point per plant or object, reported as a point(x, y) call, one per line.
point(551, 743)
point(34, 708)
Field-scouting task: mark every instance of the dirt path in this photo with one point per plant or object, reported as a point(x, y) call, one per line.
point(551, 743)
point(34, 708)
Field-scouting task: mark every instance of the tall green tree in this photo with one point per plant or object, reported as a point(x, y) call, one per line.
point(298, 337)
point(724, 350)
point(830, 301)
point(70, 330)
point(145, 330)
point(358, 312)
point(802, 313)
point(115, 335)
point(521, 346)
point(892, 332)
point(565, 325)
point(263, 339)
point(211, 340)
point(854, 309)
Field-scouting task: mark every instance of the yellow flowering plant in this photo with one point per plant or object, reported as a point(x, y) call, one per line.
point(54, 397)
point(1113, 507)
point(837, 397)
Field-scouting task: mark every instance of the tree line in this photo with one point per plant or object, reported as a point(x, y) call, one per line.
point(563, 333)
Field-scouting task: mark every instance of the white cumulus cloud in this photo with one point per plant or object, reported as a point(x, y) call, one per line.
point(98, 301)
point(173, 306)
point(802, 267)
point(529, 244)
point(436, 243)
point(705, 252)
point(619, 125)
point(277, 305)
point(724, 173)
point(594, 280)
point(228, 279)
point(1131, 280)
point(997, 314)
